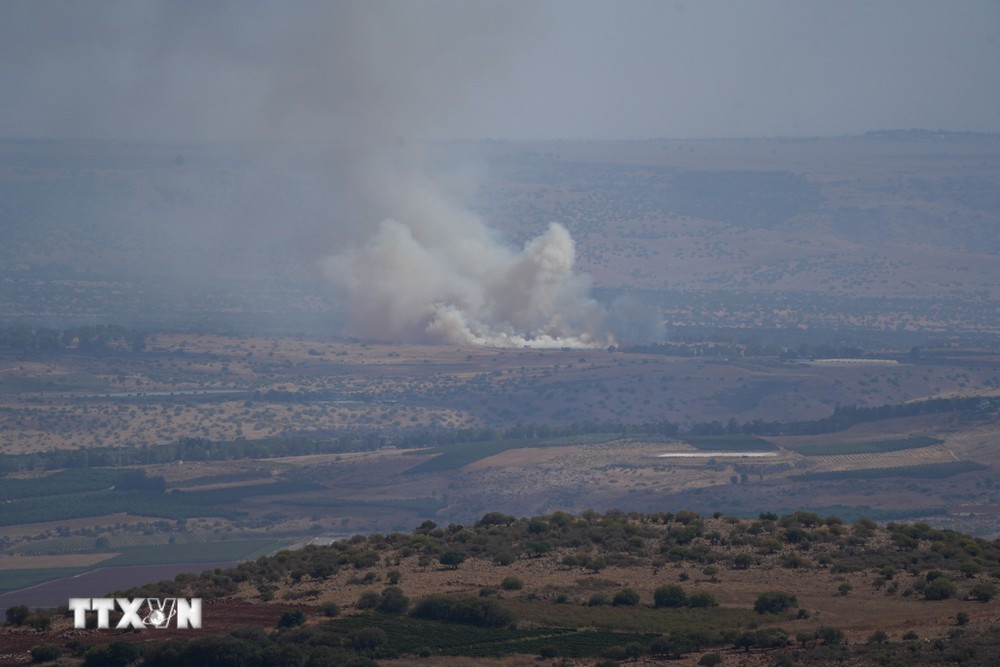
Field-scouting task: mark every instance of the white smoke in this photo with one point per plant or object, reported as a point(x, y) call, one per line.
point(360, 82)
point(439, 274)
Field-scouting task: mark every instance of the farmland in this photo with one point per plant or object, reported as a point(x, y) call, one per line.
point(147, 417)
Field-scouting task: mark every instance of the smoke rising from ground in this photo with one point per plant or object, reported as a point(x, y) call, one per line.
point(366, 82)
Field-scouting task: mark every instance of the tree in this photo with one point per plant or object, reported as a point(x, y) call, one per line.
point(452, 559)
point(115, 654)
point(626, 597)
point(670, 595)
point(45, 653)
point(940, 589)
point(393, 601)
point(774, 602)
point(984, 591)
point(17, 614)
point(291, 619)
point(702, 599)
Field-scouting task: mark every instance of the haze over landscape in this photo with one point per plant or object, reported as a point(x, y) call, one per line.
point(549, 299)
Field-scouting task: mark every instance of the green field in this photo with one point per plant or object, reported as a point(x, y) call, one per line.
point(196, 552)
point(12, 580)
point(728, 443)
point(923, 471)
point(411, 635)
point(453, 457)
point(865, 447)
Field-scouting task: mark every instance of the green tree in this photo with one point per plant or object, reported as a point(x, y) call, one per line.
point(940, 589)
point(452, 559)
point(393, 601)
point(774, 602)
point(626, 597)
point(670, 595)
point(291, 619)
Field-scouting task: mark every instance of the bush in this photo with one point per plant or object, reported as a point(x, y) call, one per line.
point(17, 614)
point(702, 599)
point(330, 609)
point(393, 601)
point(291, 619)
point(878, 637)
point(710, 660)
point(484, 612)
point(115, 654)
point(367, 639)
point(984, 591)
point(452, 559)
point(45, 653)
point(368, 600)
point(626, 597)
point(830, 635)
point(598, 600)
point(670, 595)
point(774, 602)
point(940, 589)
point(512, 583)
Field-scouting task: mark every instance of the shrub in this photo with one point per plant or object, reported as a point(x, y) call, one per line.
point(505, 557)
point(676, 644)
point(115, 654)
point(291, 619)
point(393, 601)
point(710, 660)
point(368, 600)
point(17, 614)
point(670, 596)
point(940, 589)
point(984, 591)
point(598, 599)
point(367, 639)
point(830, 635)
point(878, 637)
point(45, 653)
point(512, 583)
point(774, 602)
point(452, 559)
point(484, 612)
point(702, 599)
point(626, 597)
point(330, 609)
point(961, 618)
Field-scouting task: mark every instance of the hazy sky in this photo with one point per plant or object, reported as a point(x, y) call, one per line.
point(549, 69)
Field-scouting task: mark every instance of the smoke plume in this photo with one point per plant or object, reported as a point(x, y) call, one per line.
point(366, 82)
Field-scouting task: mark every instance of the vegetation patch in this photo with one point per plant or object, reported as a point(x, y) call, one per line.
point(195, 552)
point(13, 580)
point(922, 471)
point(728, 443)
point(866, 447)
